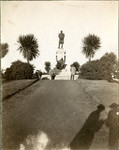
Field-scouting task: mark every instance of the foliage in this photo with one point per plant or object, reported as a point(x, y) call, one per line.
point(117, 75)
point(2, 74)
point(44, 73)
point(116, 67)
point(47, 66)
point(61, 64)
point(55, 71)
point(19, 70)
point(37, 74)
point(99, 69)
point(45, 78)
point(108, 61)
point(28, 46)
point(91, 70)
point(91, 44)
point(76, 65)
point(4, 49)
point(8, 74)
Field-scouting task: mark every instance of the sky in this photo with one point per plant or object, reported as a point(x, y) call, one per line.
point(45, 19)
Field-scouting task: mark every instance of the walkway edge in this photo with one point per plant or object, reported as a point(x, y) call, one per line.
point(10, 95)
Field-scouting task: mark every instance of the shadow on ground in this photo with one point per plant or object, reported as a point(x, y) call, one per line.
point(85, 136)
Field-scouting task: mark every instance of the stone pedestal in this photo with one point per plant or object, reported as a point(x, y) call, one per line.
point(60, 54)
point(65, 74)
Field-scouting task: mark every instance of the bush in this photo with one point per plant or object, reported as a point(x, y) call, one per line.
point(45, 73)
point(108, 62)
point(37, 74)
point(19, 70)
point(45, 78)
point(99, 69)
point(55, 71)
point(91, 70)
point(117, 75)
point(2, 74)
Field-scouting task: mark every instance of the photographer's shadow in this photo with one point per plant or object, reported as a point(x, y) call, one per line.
point(93, 124)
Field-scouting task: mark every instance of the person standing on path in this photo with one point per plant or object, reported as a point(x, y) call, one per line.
point(73, 72)
point(112, 123)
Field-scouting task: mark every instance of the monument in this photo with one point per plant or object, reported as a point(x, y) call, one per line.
point(61, 53)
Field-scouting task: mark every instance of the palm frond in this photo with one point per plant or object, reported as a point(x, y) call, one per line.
point(4, 49)
point(91, 44)
point(28, 46)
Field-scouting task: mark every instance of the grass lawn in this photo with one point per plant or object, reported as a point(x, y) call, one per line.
point(104, 92)
point(100, 90)
point(11, 87)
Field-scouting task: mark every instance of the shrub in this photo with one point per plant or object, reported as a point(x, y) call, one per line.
point(8, 74)
point(99, 69)
point(44, 73)
point(2, 74)
point(55, 71)
point(45, 78)
point(117, 75)
point(108, 62)
point(19, 70)
point(37, 74)
point(91, 70)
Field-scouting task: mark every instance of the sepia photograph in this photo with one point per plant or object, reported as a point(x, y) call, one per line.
point(59, 75)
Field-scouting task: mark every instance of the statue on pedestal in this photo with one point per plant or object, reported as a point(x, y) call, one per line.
point(61, 39)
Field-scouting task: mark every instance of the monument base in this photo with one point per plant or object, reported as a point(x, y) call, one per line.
point(60, 54)
point(65, 74)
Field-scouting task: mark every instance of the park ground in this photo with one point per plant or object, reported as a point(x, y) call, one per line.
point(58, 109)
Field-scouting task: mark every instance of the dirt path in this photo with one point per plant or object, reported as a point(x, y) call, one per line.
point(58, 108)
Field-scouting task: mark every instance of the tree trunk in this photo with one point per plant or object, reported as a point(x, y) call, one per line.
point(27, 57)
point(27, 60)
point(89, 58)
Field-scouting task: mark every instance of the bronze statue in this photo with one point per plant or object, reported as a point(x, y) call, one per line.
point(61, 39)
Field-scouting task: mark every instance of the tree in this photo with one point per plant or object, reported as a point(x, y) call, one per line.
point(116, 67)
point(61, 64)
point(108, 62)
point(28, 47)
point(92, 70)
point(47, 66)
point(76, 65)
point(101, 69)
point(19, 70)
point(91, 44)
point(4, 49)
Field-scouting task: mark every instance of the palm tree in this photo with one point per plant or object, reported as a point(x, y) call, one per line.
point(91, 44)
point(4, 49)
point(28, 46)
